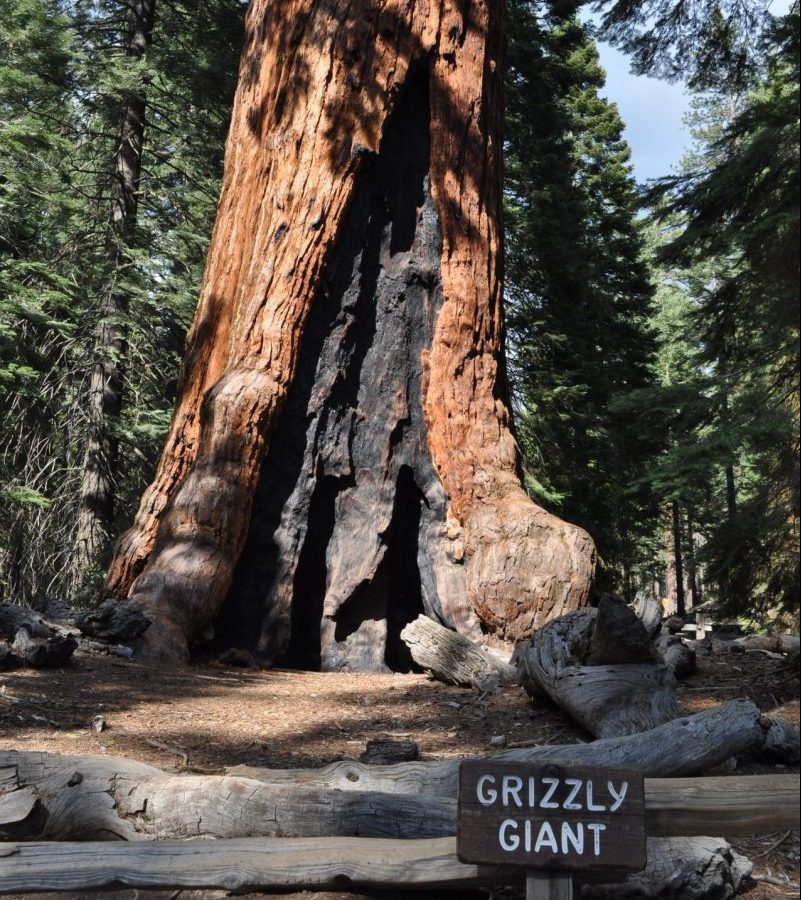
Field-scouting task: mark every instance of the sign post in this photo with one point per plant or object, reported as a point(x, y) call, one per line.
point(549, 886)
point(554, 820)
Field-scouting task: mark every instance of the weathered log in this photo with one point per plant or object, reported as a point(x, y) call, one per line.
point(97, 797)
point(617, 636)
point(243, 865)
point(685, 746)
point(649, 611)
point(680, 868)
point(773, 643)
point(676, 654)
point(453, 658)
point(101, 797)
point(677, 868)
point(622, 697)
point(113, 622)
point(42, 653)
point(781, 740)
point(670, 648)
point(14, 617)
point(27, 639)
point(105, 796)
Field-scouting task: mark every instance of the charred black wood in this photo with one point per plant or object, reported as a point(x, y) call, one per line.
point(348, 539)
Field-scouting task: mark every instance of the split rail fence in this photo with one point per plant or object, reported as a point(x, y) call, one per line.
point(674, 807)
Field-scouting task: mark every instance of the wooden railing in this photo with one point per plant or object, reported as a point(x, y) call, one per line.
point(675, 806)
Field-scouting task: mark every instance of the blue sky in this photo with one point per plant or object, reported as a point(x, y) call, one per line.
point(652, 110)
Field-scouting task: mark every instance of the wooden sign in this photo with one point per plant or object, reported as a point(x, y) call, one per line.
point(570, 818)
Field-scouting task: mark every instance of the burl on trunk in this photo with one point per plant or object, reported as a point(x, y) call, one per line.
point(341, 458)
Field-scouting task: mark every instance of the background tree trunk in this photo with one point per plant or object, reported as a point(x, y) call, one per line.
point(341, 458)
point(681, 607)
point(692, 567)
point(98, 478)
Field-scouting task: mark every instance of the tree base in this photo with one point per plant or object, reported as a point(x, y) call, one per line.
point(348, 540)
point(341, 459)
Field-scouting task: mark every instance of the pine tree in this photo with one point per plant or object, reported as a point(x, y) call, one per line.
point(726, 257)
point(62, 90)
point(710, 43)
point(42, 229)
point(742, 213)
point(579, 292)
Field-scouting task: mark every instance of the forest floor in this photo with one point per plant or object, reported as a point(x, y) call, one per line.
point(205, 717)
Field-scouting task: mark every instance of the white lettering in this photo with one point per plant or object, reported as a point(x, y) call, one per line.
point(576, 787)
point(508, 842)
point(590, 805)
point(596, 828)
point(546, 836)
point(489, 796)
point(532, 791)
point(569, 837)
point(545, 802)
point(512, 786)
point(619, 796)
point(527, 839)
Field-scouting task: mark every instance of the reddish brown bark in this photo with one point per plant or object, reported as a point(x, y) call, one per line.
point(319, 83)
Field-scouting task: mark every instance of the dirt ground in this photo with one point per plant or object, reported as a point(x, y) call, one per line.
point(205, 717)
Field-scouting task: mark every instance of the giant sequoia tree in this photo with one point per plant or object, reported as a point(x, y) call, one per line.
point(340, 458)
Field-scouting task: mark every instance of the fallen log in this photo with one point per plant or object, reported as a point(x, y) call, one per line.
point(27, 639)
point(453, 658)
point(698, 868)
point(781, 740)
point(243, 864)
point(685, 746)
point(66, 798)
point(676, 655)
point(677, 869)
point(113, 622)
point(772, 643)
point(44, 796)
point(617, 636)
point(649, 611)
point(599, 666)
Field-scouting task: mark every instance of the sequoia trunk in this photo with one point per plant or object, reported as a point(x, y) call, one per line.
point(341, 458)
